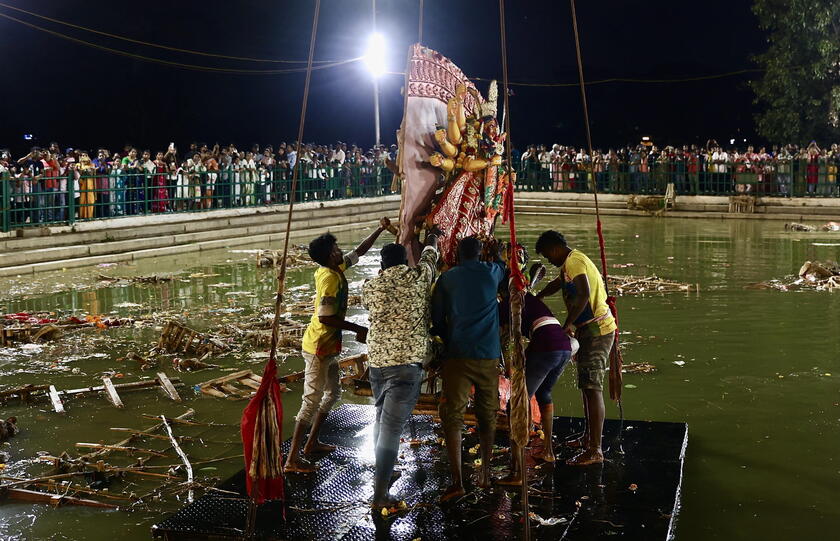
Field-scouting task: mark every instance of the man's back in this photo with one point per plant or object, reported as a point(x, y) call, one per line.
point(399, 304)
point(465, 310)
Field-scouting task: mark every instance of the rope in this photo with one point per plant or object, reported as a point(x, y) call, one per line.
point(620, 79)
point(615, 353)
point(636, 80)
point(519, 296)
point(281, 275)
point(157, 45)
point(169, 63)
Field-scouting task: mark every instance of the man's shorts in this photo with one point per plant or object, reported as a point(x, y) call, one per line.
point(459, 377)
point(593, 359)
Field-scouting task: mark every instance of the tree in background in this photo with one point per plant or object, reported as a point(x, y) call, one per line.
point(799, 94)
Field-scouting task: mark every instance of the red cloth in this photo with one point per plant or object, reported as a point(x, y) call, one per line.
point(460, 213)
point(262, 489)
point(159, 192)
point(517, 279)
point(504, 398)
point(813, 170)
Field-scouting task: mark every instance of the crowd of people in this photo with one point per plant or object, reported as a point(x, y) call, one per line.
point(465, 309)
point(49, 185)
point(713, 169)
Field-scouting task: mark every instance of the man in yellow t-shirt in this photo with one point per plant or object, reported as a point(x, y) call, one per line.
point(322, 344)
point(590, 317)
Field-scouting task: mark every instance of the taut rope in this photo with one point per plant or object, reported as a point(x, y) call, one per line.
point(615, 355)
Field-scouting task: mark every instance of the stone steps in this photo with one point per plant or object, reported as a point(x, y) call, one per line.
point(74, 249)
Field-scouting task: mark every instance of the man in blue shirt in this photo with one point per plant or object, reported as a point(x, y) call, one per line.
point(465, 314)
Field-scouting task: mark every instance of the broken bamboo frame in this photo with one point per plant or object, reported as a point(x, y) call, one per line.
point(103, 452)
point(181, 454)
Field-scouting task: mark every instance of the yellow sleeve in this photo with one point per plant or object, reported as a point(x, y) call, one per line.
point(575, 266)
point(327, 285)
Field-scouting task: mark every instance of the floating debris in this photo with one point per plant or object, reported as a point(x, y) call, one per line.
point(154, 279)
point(638, 368)
point(28, 334)
point(297, 257)
point(257, 332)
point(829, 226)
point(820, 276)
point(635, 285)
point(177, 338)
point(226, 386)
point(31, 392)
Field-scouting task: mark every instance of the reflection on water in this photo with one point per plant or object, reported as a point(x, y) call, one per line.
point(754, 373)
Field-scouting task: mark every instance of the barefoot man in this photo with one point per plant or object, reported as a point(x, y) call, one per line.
point(590, 318)
point(465, 314)
point(322, 344)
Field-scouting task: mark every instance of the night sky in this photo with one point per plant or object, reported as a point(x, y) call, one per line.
point(84, 97)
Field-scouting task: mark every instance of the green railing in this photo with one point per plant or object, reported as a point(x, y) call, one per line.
point(795, 178)
point(88, 195)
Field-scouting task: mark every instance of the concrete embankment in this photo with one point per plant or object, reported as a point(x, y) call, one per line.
point(814, 210)
point(125, 239)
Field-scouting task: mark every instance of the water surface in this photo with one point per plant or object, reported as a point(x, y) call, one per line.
point(755, 373)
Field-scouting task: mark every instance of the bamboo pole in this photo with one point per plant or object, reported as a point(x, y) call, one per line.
point(182, 455)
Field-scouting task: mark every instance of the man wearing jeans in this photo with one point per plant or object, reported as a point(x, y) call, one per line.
point(590, 316)
point(322, 344)
point(399, 301)
point(465, 313)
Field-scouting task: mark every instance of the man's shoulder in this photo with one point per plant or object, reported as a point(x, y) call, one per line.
point(576, 260)
point(326, 273)
point(577, 255)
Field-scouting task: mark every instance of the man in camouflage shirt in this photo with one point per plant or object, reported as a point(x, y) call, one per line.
point(399, 301)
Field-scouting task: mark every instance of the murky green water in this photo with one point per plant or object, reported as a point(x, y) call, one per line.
point(756, 374)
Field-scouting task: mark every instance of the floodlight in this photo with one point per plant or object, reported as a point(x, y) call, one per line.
point(374, 56)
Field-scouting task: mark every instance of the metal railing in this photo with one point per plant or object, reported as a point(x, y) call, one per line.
point(793, 178)
point(87, 194)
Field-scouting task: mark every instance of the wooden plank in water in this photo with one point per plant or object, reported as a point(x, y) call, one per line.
point(212, 391)
point(144, 384)
point(56, 400)
point(224, 379)
point(112, 392)
point(248, 382)
point(168, 387)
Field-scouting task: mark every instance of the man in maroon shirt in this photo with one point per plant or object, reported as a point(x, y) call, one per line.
point(549, 350)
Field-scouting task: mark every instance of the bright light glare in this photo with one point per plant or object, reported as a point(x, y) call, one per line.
point(375, 55)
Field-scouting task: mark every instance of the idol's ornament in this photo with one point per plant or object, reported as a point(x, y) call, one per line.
point(450, 154)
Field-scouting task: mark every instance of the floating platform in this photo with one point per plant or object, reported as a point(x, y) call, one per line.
point(635, 494)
